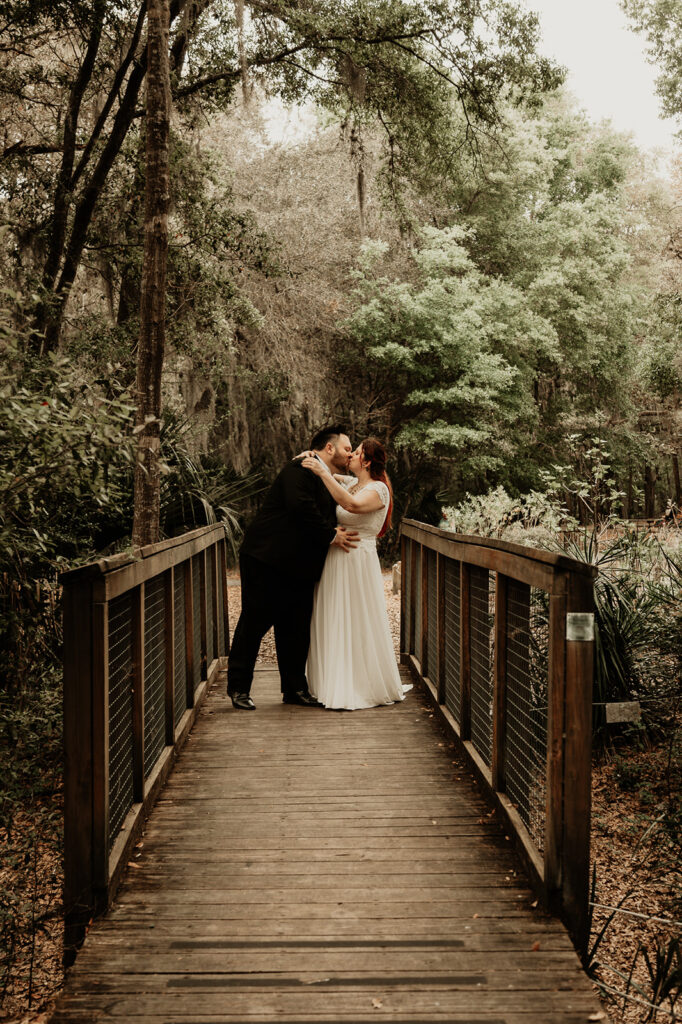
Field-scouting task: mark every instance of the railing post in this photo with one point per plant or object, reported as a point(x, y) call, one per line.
point(189, 633)
point(440, 625)
point(222, 551)
point(465, 650)
point(100, 746)
point(578, 755)
point(214, 568)
point(412, 635)
point(202, 606)
point(500, 684)
point(554, 793)
point(137, 596)
point(403, 594)
point(169, 609)
point(424, 624)
point(78, 765)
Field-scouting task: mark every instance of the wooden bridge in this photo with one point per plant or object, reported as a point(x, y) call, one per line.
point(407, 863)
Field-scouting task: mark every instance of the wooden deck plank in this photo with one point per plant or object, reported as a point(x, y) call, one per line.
point(308, 866)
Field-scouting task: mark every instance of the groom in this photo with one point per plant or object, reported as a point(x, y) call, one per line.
point(281, 559)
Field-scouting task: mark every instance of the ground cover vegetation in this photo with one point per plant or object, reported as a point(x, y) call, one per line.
point(451, 256)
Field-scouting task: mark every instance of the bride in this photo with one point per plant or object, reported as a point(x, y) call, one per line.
point(351, 662)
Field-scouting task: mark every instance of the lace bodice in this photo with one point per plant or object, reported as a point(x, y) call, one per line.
point(368, 524)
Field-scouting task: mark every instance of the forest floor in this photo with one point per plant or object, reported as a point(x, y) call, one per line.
point(637, 866)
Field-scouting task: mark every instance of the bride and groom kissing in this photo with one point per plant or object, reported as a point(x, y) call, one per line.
point(309, 568)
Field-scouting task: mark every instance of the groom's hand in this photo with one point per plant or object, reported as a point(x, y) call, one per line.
point(345, 539)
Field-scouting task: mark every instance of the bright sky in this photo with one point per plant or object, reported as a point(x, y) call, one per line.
point(608, 70)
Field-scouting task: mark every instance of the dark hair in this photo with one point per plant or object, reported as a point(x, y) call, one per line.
point(322, 437)
point(374, 452)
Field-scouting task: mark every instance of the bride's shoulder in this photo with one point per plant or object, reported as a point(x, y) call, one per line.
point(380, 487)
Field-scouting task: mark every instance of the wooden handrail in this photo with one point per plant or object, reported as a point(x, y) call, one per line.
point(130, 700)
point(518, 696)
point(528, 565)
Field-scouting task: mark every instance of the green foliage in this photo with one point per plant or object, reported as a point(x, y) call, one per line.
point(534, 519)
point(391, 63)
point(197, 490)
point(65, 446)
point(515, 322)
point(661, 22)
point(444, 341)
point(589, 480)
point(65, 450)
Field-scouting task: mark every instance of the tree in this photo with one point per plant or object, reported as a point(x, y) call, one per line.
point(661, 22)
point(68, 119)
point(153, 291)
point(520, 324)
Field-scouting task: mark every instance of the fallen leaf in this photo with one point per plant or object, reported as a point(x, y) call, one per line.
point(535, 947)
point(599, 1015)
point(534, 903)
point(376, 1003)
point(132, 864)
point(477, 915)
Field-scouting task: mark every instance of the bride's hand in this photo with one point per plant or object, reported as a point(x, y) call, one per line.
point(311, 463)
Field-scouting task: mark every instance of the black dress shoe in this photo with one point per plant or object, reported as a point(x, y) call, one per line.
point(302, 697)
point(242, 701)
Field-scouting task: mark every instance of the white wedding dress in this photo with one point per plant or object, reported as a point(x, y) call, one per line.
point(351, 662)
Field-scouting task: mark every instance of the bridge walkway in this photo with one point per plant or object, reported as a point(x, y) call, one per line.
point(310, 866)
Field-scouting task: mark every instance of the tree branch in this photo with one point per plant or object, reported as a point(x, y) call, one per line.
point(61, 200)
point(113, 93)
point(33, 149)
point(322, 44)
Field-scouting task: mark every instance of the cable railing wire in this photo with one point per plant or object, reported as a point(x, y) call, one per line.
point(482, 660)
point(120, 711)
point(154, 672)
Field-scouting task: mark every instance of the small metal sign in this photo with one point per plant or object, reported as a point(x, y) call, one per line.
point(623, 711)
point(580, 626)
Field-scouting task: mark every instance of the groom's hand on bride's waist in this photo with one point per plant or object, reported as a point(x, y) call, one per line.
point(345, 539)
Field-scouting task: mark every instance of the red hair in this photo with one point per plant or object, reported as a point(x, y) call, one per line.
point(374, 452)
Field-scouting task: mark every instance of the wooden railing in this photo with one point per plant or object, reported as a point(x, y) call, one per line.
point(143, 637)
point(502, 636)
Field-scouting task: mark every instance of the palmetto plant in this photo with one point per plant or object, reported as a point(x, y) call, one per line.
point(196, 492)
point(625, 610)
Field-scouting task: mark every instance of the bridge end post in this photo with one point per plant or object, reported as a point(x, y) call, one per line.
point(578, 757)
point(78, 764)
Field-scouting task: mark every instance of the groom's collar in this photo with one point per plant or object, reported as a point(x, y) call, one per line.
point(316, 456)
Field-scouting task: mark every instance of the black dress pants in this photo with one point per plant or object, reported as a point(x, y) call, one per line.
point(271, 598)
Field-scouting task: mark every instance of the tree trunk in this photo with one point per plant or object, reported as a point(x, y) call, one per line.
point(153, 290)
point(51, 314)
point(676, 476)
point(650, 477)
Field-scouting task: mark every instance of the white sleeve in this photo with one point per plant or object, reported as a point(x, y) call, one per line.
point(382, 490)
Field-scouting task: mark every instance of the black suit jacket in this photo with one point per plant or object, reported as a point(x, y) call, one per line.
point(295, 525)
